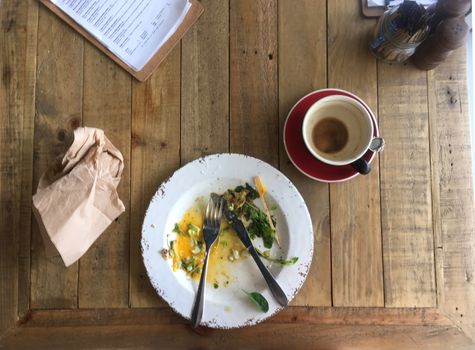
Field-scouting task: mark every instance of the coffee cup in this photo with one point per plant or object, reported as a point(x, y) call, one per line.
point(338, 130)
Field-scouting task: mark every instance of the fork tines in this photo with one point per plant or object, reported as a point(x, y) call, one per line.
point(214, 210)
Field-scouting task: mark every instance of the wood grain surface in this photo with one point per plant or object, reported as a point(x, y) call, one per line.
point(104, 269)
point(406, 210)
point(302, 38)
point(364, 316)
point(205, 82)
point(452, 190)
point(253, 79)
point(315, 328)
point(266, 336)
point(59, 108)
point(27, 69)
point(394, 262)
point(18, 26)
point(357, 269)
point(155, 155)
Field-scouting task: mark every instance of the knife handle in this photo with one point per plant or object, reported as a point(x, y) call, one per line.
point(271, 282)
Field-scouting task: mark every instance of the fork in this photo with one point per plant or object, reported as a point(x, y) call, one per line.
point(212, 223)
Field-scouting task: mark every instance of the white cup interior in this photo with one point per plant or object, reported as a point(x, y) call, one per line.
point(353, 115)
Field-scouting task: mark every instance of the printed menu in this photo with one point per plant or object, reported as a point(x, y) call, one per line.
point(132, 30)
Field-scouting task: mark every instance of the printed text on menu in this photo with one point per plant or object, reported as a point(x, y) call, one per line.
point(132, 29)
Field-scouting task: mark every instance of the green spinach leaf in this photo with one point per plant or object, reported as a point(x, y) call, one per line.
point(258, 300)
point(240, 200)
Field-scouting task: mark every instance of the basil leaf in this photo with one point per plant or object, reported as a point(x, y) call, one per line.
point(258, 300)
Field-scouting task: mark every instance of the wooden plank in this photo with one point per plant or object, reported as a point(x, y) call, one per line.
point(452, 190)
point(267, 336)
point(155, 155)
point(302, 39)
point(58, 112)
point(253, 79)
point(18, 31)
point(205, 84)
point(104, 269)
point(406, 203)
point(428, 317)
point(29, 79)
point(357, 273)
point(122, 329)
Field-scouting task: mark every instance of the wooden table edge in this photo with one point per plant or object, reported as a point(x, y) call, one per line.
point(41, 325)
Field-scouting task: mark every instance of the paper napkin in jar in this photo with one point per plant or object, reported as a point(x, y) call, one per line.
point(77, 197)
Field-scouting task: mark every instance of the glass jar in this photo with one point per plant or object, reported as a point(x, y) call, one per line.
point(392, 42)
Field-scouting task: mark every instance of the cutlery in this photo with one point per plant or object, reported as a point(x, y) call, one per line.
point(211, 226)
point(243, 235)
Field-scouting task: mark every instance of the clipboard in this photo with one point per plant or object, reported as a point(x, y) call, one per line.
point(191, 17)
point(374, 11)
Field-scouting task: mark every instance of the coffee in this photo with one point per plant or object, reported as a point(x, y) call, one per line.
point(330, 135)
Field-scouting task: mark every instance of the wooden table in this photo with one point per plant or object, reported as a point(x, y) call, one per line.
point(394, 258)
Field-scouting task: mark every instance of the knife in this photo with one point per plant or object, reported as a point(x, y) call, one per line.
point(243, 235)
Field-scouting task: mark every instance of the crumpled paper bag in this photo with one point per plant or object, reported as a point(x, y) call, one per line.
point(77, 196)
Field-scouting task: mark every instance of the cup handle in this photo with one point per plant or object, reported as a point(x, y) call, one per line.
point(361, 166)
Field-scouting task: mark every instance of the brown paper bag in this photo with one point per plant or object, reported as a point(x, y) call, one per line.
point(77, 198)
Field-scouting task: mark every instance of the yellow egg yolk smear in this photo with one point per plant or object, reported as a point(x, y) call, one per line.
point(226, 250)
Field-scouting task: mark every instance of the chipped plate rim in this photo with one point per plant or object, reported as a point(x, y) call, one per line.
point(208, 174)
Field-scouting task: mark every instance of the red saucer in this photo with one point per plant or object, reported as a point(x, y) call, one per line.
point(298, 152)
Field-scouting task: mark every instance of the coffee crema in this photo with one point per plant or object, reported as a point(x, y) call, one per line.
point(330, 135)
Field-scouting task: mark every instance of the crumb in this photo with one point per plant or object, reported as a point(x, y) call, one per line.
point(164, 253)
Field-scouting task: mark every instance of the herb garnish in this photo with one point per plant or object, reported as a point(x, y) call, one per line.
point(193, 229)
point(240, 200)
point(258, 300)
point(284, 262)
point(176, 229)
point(259, 226)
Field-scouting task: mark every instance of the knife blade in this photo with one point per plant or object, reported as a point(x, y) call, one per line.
point(238, 226)
point(243, 235)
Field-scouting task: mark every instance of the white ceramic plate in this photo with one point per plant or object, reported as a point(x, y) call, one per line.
point(227, 307)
